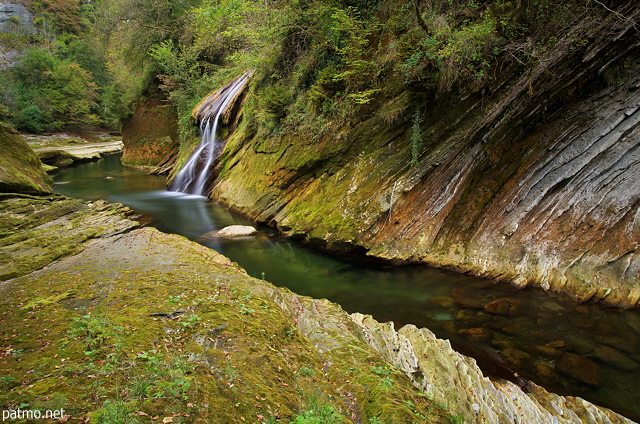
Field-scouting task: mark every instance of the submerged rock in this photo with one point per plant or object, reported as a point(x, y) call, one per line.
point(614, 357)
point(507, 307)
point(579, 368)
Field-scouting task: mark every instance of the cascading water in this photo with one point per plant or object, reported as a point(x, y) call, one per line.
point(193, 177)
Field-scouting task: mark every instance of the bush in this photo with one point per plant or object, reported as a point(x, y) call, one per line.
point(31, 119)
point(52, 94)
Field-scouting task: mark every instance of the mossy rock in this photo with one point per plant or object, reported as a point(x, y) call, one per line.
point(20, 169)
point(146, 326)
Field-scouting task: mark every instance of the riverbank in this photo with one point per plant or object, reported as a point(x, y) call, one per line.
point(105, 319)
point(202, 341)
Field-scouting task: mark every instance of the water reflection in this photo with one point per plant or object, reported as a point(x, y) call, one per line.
point(583, 350)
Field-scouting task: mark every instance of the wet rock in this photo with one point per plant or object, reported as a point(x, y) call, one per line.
point(626, 341)
point(581, 343)
point(503, 344)
point(470, 318)
point(557, 344)
point(546, 374)
point(579, 368)
point(583, 321)
point(476, 335)
point(614, 357)
point(552, 306)
point(505, 307)
point(547, 352)
point(516, 359)
point(466, 299)
point(604, 328)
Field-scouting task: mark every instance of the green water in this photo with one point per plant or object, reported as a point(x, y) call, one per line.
point(531, 334)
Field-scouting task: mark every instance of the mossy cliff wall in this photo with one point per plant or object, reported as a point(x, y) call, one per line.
point(532, 180)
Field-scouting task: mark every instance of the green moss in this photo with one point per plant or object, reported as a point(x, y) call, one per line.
point(20, 169)
point(84, 334)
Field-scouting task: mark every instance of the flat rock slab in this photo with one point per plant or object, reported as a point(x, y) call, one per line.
point(85, 152)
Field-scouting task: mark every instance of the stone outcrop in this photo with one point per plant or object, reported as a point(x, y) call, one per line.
point(532, 181)
point(150, 136)
point(20, 169)
point(64, 156)
point(15, 18)
point(199, 338)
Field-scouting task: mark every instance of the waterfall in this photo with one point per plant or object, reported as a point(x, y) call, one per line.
point(194, 175)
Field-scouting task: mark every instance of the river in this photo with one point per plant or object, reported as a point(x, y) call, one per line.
point(583, 350)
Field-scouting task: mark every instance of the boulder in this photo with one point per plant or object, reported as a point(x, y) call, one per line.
point(20, 169)
point(232, 231)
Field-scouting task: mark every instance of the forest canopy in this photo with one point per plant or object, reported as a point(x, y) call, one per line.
point(317, 63)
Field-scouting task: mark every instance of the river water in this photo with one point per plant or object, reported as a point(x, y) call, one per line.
point(582, 350)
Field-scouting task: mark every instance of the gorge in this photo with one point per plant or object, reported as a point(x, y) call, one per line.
point(495, 139)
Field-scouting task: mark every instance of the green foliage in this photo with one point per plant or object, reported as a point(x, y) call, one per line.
point(162, 376)
point(316, 411)
point(114, 412)
point(449, 48)
point(98, 333)
point(55, 93)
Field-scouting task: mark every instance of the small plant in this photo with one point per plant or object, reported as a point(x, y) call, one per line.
point(173, 299)
point(97, 331)
point(306, 371)
point(191, 322)
point(8, 382)
point(316, 411)
point(245, 310)
point(162, 377)
point(113, 412)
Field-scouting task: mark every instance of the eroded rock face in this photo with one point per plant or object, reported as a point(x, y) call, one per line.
point(534, 181)
point(150, 135)
point(65, 156)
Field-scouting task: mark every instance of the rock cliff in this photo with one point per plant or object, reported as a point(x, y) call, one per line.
point(150, 135)
point(532, 180)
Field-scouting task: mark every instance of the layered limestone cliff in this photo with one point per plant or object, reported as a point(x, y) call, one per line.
point(533, 180)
